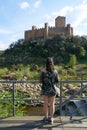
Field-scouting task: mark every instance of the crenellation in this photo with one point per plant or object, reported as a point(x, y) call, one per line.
point(51, 27)
point(46, 32)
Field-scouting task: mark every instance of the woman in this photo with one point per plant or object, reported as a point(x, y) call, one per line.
point(49, 78)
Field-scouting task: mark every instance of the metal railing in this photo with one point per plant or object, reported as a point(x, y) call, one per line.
point(79, 92)
point(13, 88)
point(61, 82)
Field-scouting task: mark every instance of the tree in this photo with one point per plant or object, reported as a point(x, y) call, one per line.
point(73, 60)
point(82, 51)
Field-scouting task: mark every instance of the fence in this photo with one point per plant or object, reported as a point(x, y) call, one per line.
point(61, 99)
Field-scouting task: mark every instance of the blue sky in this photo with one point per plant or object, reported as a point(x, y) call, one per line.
point(16, 16)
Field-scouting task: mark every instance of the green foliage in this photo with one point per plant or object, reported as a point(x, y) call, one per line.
point(60, 47)
point(6, 106)
point(4, 71)
point(73, 60)
point(33, 67)
point(82, 51)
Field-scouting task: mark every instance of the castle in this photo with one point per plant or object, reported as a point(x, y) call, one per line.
point(49, 32)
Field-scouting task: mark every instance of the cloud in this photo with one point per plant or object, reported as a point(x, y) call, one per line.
point(37, 3)
point(81, 16)
point(79, 32)
point(24, 5)
point(64, 11)
point(84, 1)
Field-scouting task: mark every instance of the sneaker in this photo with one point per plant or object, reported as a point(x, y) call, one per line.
point(52, 120)
point(45, 120)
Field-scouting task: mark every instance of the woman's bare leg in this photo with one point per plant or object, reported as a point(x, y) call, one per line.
point(46, 106)
point(52, 106)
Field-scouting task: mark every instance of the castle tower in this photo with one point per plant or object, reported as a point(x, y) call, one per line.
point(33, 31)
point(60, 21)
point(46, 31)
point(69, 30)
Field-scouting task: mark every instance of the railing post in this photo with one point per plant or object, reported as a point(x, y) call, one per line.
point(60, 97)
point(13, 98)
point(81, 85)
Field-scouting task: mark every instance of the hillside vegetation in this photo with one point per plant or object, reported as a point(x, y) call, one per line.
point(27, 58)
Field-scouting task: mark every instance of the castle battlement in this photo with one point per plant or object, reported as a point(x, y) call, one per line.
point(50, 27)
point(39, 29)
point(43, 33)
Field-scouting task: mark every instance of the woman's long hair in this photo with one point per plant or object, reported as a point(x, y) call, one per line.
point(49, 64)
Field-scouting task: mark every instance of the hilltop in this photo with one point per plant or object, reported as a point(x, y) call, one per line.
point(69, 53)
point(61, 48)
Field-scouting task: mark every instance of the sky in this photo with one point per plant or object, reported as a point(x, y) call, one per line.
point(16, 16)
